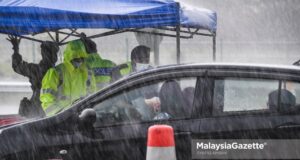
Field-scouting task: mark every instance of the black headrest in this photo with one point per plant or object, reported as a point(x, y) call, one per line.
point(287, 99)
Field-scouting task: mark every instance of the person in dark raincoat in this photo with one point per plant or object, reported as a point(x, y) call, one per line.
point(35, 73)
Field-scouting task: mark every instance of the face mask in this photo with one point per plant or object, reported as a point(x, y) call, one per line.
point(142, 66)
point(77, 64)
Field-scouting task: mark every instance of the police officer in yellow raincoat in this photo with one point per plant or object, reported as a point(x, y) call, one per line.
point(68, 81)
point(102, 68)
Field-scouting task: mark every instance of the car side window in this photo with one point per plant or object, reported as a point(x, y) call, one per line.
point(243, 95)
point(166, 99)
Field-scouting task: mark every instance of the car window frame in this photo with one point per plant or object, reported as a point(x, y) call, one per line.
point(268, 74)
point(255, 111)
point(190, 71)
point(275, 111)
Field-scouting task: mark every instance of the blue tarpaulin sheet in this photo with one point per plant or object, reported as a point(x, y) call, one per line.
point(22, 17)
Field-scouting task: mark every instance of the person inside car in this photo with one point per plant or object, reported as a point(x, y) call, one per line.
point(67, 82)
point(140, 61)
point(35, 72)
point(172, 101)
point(287, 100)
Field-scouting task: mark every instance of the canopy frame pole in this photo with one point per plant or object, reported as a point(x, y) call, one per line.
point(160, 34)
point(49, 34)
point(73, 31)
point(178, 44)
point(57, 41)
point(178, 34)
point(214, 47)
point(122, 31)
point(107, 33)
point(178, 31)
point(94, 36)
point(68, 34)
point(29, 38)
point(56, 37)
point(189, 32)
point(193, 33)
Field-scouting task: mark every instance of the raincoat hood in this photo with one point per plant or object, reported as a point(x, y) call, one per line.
point(74, 49)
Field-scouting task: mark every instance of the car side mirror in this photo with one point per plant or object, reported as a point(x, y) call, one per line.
point(88, 116)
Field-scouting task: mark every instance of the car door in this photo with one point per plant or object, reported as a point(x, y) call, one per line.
point(123, 119)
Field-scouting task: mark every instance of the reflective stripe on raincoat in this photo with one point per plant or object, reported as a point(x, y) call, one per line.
point(101, 68)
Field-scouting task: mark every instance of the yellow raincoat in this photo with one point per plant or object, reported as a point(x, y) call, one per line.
point(64, 84)
point(101, 68)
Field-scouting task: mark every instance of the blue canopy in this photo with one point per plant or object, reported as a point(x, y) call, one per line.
point(22, 17)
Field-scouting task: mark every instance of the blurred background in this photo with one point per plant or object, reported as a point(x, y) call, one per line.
point(249, 31)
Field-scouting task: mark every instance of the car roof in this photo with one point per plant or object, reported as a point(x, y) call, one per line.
point(233, 65)
point(237, 66)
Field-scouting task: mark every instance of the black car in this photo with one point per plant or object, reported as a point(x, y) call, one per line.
point(200, 101)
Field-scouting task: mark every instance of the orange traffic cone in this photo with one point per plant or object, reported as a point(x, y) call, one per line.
point(161, 145)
